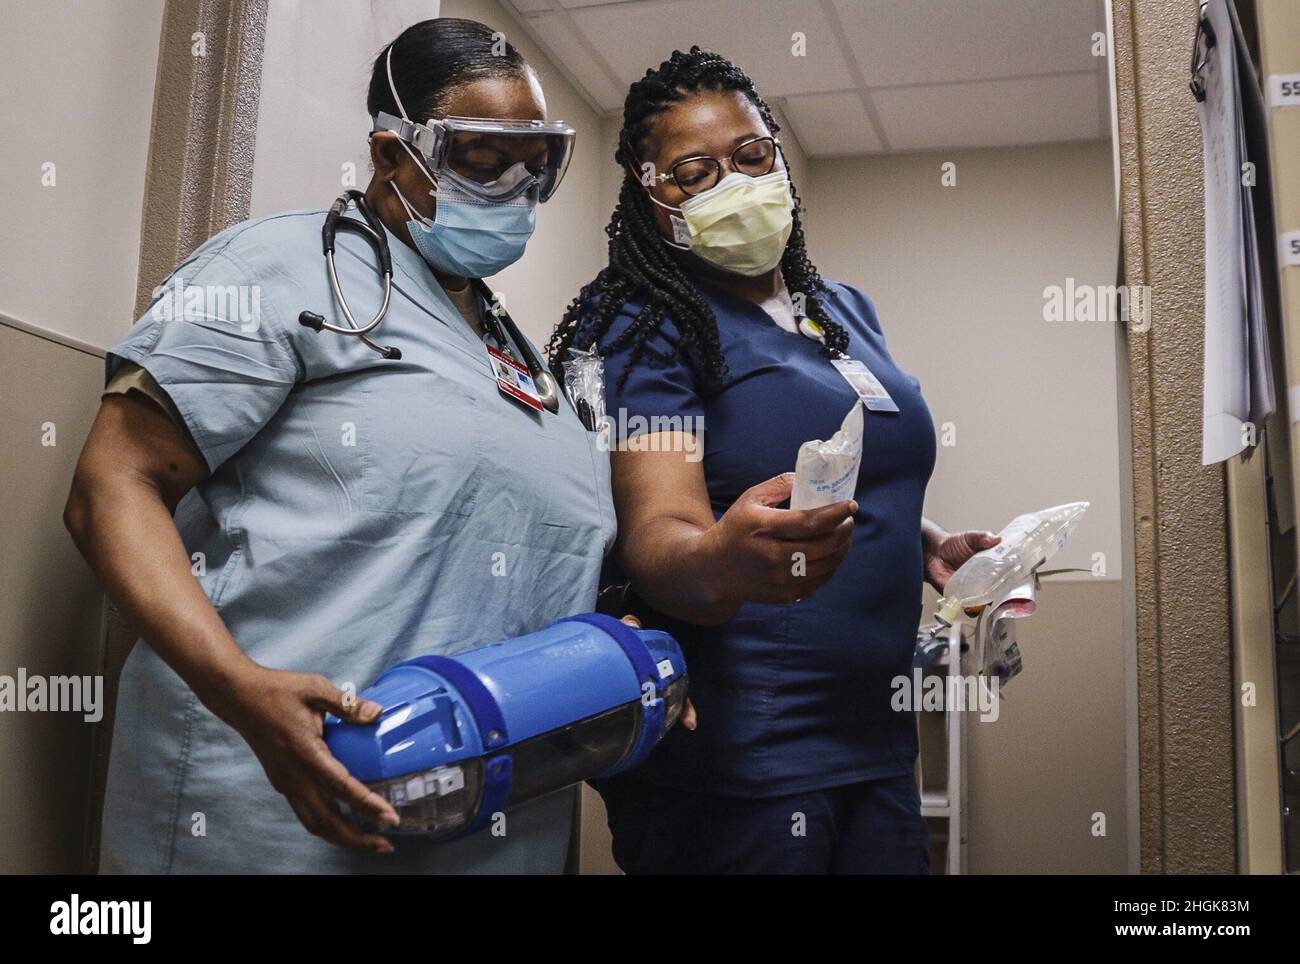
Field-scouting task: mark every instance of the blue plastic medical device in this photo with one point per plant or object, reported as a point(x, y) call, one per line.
point(464, 737)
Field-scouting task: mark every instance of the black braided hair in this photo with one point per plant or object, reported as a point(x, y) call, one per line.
point(433, 58)
point(642, 267)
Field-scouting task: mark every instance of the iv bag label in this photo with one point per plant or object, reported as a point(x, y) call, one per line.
point(1284, 90)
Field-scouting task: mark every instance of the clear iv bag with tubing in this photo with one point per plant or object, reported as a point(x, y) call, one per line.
point(1028, 541)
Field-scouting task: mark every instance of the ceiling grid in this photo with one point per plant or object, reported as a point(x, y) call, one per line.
point(878, 76)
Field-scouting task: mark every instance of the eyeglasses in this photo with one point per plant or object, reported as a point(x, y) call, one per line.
point(695, 175)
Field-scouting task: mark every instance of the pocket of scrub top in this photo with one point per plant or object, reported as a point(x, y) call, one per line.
point(419, 452)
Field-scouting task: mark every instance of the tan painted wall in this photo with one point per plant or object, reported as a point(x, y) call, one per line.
point(50, 604)
point(311, 117)
point(78, 92)
point(78, 82)
point(1055, 757)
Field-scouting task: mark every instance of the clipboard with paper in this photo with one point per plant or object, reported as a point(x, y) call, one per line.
point(1239, 391)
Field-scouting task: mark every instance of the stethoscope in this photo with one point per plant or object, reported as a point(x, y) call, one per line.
point(497, 319)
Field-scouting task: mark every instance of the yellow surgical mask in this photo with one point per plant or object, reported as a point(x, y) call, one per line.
point(741, 224)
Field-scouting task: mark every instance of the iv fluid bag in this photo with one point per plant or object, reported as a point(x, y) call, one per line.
point(1027, 542)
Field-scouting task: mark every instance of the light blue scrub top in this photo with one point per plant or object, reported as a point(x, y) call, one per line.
point(360, 511)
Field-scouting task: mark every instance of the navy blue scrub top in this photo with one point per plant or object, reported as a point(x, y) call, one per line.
point(794, 697)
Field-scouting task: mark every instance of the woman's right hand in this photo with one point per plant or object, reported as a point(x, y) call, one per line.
point(136, 467)
point(279, 715)
point(770, 555)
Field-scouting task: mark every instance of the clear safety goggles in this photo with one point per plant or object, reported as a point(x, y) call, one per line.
point(495, 160)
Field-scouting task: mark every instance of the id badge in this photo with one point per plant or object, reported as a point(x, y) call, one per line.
point(513, 379)
point(867, 385)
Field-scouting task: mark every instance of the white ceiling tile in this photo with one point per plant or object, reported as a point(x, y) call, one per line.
point(998, 113)
point(828, 125)
point(539, 6)
point(932, 41)
point(941, 73)
point(566, 48)
point(525, 7)
point(632, 37)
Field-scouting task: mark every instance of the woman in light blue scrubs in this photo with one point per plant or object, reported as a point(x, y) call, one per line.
point(335, 511)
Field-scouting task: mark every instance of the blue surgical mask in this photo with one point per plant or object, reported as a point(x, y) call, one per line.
point(470, 237)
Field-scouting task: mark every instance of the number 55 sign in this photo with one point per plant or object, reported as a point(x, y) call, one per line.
point(1284, 90)
point(1288, 246)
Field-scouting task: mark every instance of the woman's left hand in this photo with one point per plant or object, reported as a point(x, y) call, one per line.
point(943, 560)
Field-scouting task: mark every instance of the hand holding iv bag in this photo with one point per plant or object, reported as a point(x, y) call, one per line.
point(1028, 541)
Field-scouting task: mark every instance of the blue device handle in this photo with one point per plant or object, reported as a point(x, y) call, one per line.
point(491, 730)
point(628, 640)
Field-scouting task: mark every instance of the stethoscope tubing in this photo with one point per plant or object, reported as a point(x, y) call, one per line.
point(372, 230)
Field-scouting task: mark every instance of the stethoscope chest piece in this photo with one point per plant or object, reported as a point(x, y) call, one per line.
point(547, 391)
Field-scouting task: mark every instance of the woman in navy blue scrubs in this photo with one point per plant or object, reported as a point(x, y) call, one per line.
point(718, 336)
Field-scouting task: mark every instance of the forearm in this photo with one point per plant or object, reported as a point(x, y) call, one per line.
point(126, 533)
point(674, 566)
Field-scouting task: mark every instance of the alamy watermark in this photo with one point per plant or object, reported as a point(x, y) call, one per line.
point(238, 304)
point(1130, 304)
point(126, 918)
point(933, 692)
point(23, 693)
point(652, 433)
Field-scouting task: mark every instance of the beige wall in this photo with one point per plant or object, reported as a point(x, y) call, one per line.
point(957, 275)
point(78, 92)
point(78, 81)
point(50, 603)
point(1056, 756)
point(312, 117)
